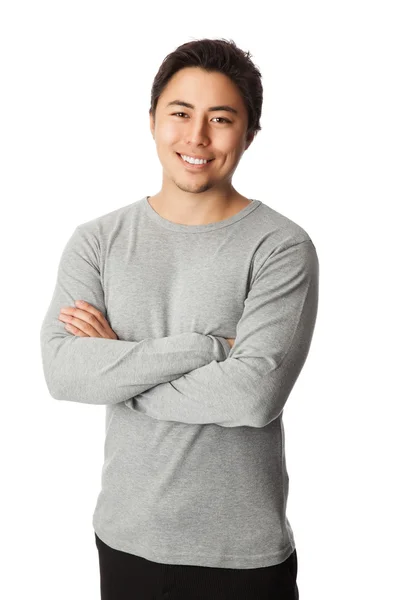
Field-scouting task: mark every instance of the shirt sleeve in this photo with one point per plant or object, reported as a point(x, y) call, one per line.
point(273, 337)
point(103, 371)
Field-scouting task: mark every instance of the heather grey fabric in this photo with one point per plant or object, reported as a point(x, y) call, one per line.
point(194, 457)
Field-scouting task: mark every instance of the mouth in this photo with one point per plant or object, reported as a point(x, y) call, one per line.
point(192, 167)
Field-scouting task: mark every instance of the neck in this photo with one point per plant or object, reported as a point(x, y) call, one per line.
point(193, 209)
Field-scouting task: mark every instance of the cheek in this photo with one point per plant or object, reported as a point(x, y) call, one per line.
point(168, 133)
point(230, 145)
point(235, 150)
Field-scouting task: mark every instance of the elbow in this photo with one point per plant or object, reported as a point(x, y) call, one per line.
point(65, 377)
point(51, 367)
point(273, 395)
point(61, 387)
point(267, 413)
point(51, 384)
point(50, 375)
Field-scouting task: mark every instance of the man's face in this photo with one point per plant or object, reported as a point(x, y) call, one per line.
point(218, 134)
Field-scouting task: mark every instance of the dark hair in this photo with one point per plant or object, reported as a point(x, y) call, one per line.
point(215, 55)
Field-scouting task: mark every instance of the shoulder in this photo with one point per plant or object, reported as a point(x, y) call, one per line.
point(104, 229)
point(280, 228)
point(279, 237)
point(109, 220)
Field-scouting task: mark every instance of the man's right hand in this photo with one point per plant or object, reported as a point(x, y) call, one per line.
point(231, 341)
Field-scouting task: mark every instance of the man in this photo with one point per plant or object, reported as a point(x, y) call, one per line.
point(198, 314)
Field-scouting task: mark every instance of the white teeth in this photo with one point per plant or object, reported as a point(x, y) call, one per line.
point(194, 161)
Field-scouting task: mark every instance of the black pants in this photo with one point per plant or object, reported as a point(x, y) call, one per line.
point(124, 576)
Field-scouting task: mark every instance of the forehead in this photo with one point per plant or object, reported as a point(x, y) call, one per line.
point(202, 89)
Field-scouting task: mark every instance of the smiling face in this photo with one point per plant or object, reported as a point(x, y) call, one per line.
point(200, 125)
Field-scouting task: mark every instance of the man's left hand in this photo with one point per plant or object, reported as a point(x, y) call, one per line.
point(84, 320)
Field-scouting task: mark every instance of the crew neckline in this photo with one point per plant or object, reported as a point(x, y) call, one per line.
point(198, 228)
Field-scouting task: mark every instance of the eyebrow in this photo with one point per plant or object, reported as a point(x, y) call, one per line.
point(224, 107)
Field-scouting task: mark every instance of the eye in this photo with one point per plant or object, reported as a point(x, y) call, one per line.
point(220, 118)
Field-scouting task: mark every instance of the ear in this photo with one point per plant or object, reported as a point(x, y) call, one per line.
point(249, 140)
point(152, 123)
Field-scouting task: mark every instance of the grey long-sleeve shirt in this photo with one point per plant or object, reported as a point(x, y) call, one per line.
point(194, 457)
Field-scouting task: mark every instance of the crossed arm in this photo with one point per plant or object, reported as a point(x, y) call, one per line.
point(206, 382)
point(273, 337)
point(94, 370)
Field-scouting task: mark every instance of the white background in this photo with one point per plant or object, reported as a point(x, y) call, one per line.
point(75, 144)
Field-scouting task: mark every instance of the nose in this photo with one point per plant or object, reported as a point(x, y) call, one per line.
point(198, 133)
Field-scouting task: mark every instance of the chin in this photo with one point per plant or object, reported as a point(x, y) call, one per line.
point(194, 189)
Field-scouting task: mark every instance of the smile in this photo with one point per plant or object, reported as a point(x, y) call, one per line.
point(194, 167)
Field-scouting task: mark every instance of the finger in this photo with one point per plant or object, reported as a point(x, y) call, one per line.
point(110, 333)
point(104, 324)
point(106, 330)
point(80, 324)
point(82, 304)
point(75, 331)
point(77, 316)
